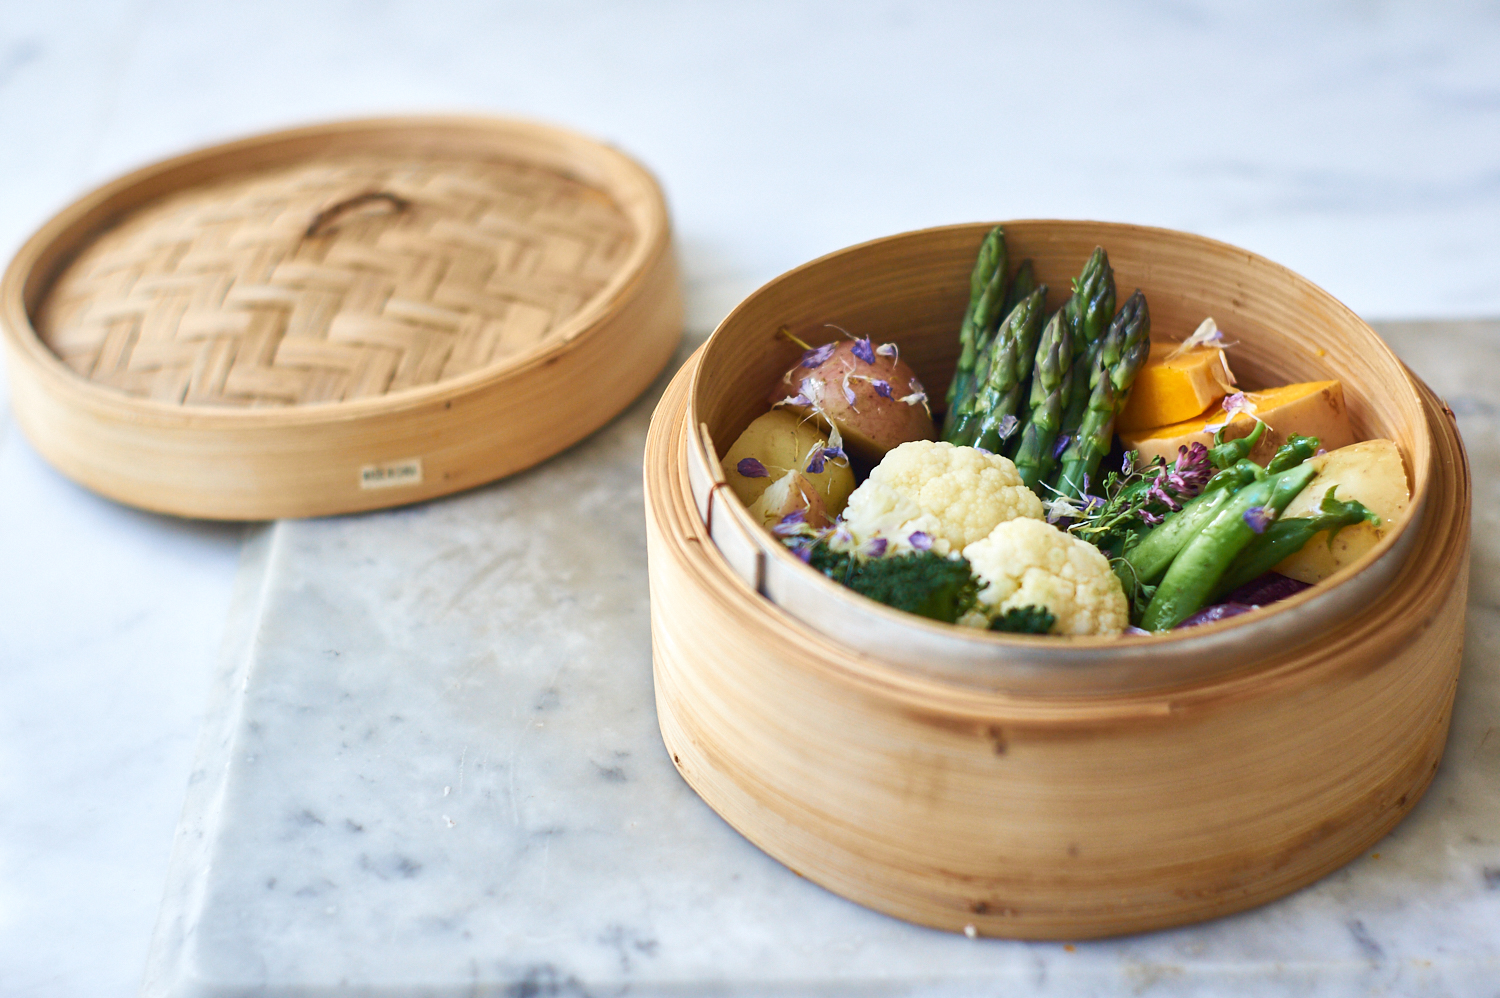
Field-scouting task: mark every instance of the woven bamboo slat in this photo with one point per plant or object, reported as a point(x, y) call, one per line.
point(341, 317)
point(1055, 797)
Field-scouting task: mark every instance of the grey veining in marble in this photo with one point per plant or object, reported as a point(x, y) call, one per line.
point(435, 769)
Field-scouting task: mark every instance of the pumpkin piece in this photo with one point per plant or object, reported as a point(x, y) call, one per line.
point(1170, 389)
point(1371, 472)
point(1312, 408)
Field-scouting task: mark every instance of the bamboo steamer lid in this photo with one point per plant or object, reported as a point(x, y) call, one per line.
point(1040, 787)
point(341, 317)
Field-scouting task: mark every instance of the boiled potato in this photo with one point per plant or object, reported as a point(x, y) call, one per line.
point(785, 496)
point(780, 442)
point(1370, 472)
point(866, 391)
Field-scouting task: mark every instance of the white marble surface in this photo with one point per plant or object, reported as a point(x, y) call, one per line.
point(435, 769)
point(1358, 143)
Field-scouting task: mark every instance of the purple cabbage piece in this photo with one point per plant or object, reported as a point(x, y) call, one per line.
point(751, 468)
point(1219, 611)
point(1269, 588)
point(864, 350)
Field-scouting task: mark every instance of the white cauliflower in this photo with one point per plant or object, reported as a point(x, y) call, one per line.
point(953, 495)
point(1026, 562)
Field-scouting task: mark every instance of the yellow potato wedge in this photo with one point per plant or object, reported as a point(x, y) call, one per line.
point(1372, 473)
point(780, 442)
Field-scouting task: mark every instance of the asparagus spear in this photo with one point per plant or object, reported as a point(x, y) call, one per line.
point(1051, 387)
point(998, 405)
point(1022, 284)
point(1119, 357)
point(986, 295)
point(1088, 314)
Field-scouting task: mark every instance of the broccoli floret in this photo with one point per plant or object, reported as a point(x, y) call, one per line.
point(920, 582)
point(1024, 620)
point(837, 565)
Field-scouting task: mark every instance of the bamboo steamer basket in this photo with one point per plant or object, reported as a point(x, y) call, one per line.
point(1037, 787)
point(340, 317)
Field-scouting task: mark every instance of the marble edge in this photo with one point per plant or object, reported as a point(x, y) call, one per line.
point(168, 961)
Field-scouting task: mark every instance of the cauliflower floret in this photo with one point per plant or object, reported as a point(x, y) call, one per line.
point(1029, 563)
point(954, 495)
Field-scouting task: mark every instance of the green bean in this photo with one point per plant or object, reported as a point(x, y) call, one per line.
point(1292, 453)
point(1284, 538)
point(1197, 569)
point(1226, 452)
point(1150, 558)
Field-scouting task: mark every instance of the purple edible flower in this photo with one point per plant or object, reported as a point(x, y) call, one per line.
point(1063, 439)
point(1156, 493)
point(822, 456)
point(920, 541)
point(864, 350)
point(841, 535)
point(1258, 518)
point(1149, 517)
point(818, 355)
point(751, 468)
point(1191, 471)
point(1007, 427)
point(889, 350)
point(882, 388)
point(876, 548)
point(790, 524)
point(849, 395)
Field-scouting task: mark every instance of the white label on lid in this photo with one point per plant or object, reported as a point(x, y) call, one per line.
point(385, 476)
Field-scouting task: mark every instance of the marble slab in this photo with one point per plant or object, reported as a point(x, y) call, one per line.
point(433, 768)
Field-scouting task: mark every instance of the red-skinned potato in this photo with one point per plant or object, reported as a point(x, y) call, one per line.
point(865, 390)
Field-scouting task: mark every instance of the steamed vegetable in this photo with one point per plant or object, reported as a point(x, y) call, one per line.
point(1372, 473)
point(864, 391)
point(1012, 353)
point(1027, 562)
point(1051, 389)
point(1197, 569)
point(931, 493)
point(920, 582)
point(1117, 359)
point(778, 442)
point(986, 297)
point(1290, 534)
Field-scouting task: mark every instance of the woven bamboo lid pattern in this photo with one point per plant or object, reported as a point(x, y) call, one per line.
point(341, 317)
point(349, 277)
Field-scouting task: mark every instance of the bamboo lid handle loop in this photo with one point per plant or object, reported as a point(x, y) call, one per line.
point(327, 220)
